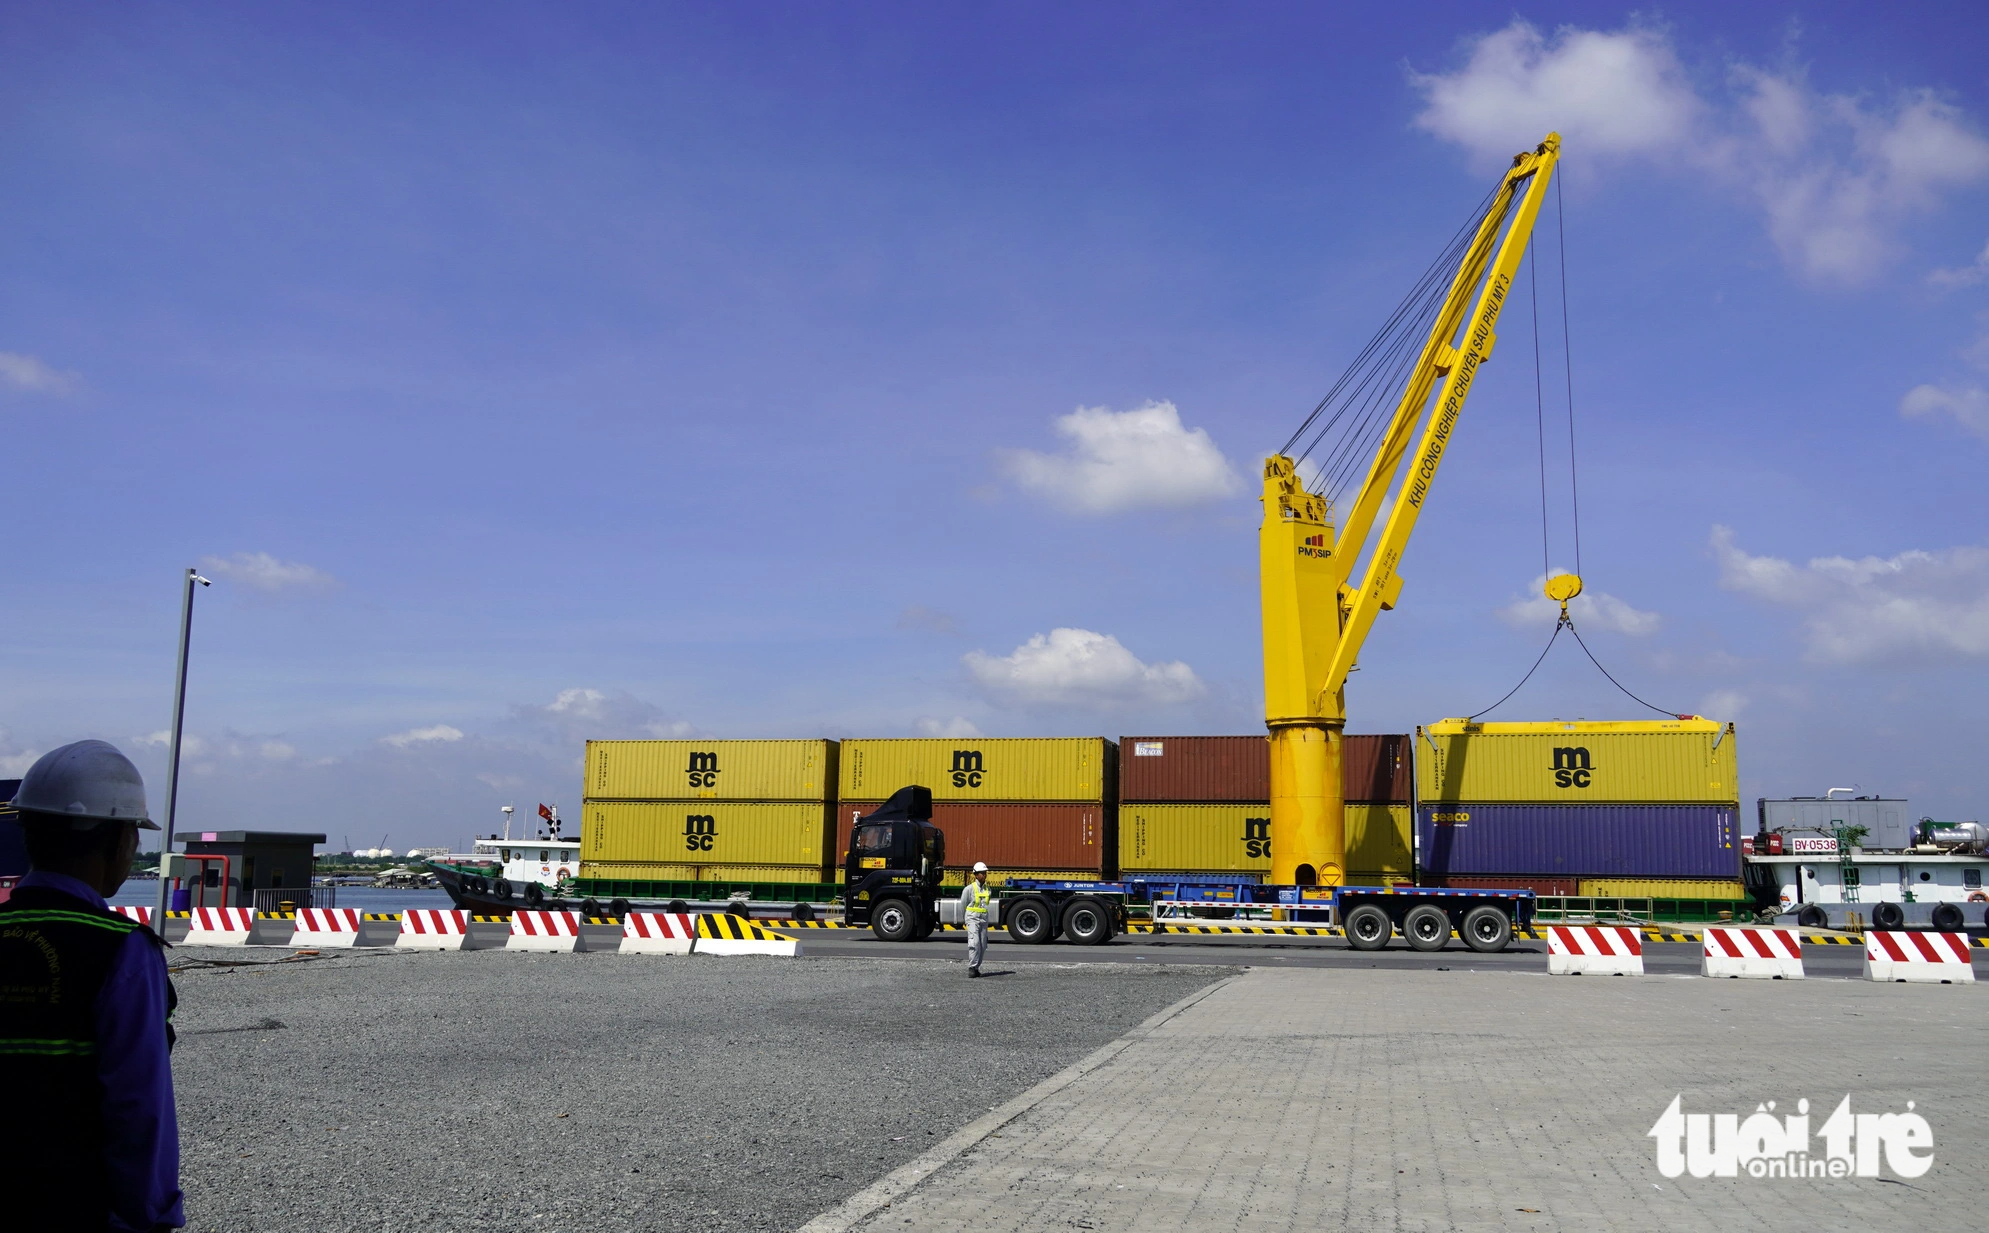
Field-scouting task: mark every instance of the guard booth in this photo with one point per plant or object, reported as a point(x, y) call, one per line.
point(255, 861)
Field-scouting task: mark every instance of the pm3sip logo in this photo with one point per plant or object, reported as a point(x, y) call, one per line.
point(1314, 546)
point(1766, 1146)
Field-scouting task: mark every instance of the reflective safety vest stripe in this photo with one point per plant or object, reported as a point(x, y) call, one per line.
point(979, 906)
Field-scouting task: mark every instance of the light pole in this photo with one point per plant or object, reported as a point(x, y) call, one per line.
point(173, 750)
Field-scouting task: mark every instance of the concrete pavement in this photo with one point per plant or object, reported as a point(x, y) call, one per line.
point(1286, 1099)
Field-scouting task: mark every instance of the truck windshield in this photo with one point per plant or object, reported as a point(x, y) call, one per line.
point(873, 839)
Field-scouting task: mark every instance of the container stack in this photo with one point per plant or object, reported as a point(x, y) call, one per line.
point(708, 811)
point(1631, 810)
point(1200, 805)
point(1027, 807)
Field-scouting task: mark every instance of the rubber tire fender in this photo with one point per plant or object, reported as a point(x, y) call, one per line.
point(535, 895)
point(1948, 918)
point(1030, 920)
point(1087, 921)
point(803, 912)
point(894, 920)
point(1888, 916)
point(1812, 917)
point(677, 907)
point(618, 908)
point(590, 909)
point(1487, 929)
point(501, 888)
point(1368, 927)
point(1426, 927)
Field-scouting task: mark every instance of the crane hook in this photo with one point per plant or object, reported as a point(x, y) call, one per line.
point(1563, 587)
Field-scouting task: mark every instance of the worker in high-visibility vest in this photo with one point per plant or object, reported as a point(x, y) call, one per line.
point(974, 908)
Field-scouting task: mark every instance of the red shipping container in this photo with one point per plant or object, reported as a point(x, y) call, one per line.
point(1010, 835)
point(1377, 769)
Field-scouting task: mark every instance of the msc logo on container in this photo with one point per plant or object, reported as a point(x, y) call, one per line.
point(1256, 836)
point(703, 770)
point(699, 830)
point(967, 768)
point(1571, 768)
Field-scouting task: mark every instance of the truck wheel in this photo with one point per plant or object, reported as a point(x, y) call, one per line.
point(1088, 922)
point(1487, 929)
point(1427, 927)
point(1947, 917)
point(894, 921)
point(1888, 916)
point(1368, 928)
point(1812, 917)
point(1029, 921)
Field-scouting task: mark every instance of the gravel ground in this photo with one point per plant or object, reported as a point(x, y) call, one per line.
point(493, 1090)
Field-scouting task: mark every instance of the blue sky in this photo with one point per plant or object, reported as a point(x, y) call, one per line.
point(524, 373)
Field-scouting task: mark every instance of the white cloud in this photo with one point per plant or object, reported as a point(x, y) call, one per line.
point(265, 573)
point(1618, 93)
point(1924, 606)
point(278, 751)
point(1963, 276)
point(1726, 704)
point(1120, 460)
point(1833, 174)
point(1969, 407)
point(1590, 609)
point(1076, 667)
point(191, 746)
point(25, 372)
point(417, 736)
point(583, 713)
point(957, 727)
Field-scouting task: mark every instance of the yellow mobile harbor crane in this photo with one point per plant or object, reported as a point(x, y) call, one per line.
point(1315, 615)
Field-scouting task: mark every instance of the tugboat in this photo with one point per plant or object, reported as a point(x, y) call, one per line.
point(500, 874)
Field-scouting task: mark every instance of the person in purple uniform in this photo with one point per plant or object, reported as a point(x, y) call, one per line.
point(88, 1135)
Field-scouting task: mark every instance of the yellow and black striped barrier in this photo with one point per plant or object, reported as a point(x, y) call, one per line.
point(736, 928)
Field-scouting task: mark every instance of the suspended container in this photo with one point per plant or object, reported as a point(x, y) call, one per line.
point(1579, 841)
point(1376, 768)
point(706, 833)
point(1157, 838)
point(1012, 835)
point(1487, 881)
point(710, 770)
point(1073, 769)
point(1570, 763)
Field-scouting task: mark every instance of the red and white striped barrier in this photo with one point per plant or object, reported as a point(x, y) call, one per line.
point(1594, 950)
point(658, 933)
point(142, 915)
point(550, 931)
point(1919, 958)
point(324, 927)
point(1767, 954)
point(220, 927)
point(434, 929)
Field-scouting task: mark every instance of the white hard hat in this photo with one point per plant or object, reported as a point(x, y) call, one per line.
point(980, 866)
point(87, 782)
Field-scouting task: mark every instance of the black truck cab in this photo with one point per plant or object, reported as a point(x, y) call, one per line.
point(894, 866)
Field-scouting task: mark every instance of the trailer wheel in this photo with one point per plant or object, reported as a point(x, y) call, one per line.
point(1947, 917)
point(894, 921)
point(1088, 922)
point(1029, 921)
point(1813, 917)
point(1368, 928)
point(1426, 927)
point(1888, 916)
point(1487, 929)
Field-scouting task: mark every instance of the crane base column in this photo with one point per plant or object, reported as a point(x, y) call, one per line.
point(1308, 803)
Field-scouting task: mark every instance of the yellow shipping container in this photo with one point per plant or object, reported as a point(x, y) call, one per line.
point(639, 871)
point(706, 832)
point(955, 880)
point(1073, 769)
point(710, 770)
point(1661, 888)
point(1568, 763)
point(1237, 839)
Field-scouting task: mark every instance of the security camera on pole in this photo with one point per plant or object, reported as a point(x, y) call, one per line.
point(173, 750)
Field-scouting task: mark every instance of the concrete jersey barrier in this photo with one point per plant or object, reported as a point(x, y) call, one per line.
point(545, 931)
point(221, 927)
point(327, 927)
point(1762, 954)
point(1918, 958)
point(1594, 950)
point(434, 929)
point(658, 933)
point(142, 915)
point(724, 934)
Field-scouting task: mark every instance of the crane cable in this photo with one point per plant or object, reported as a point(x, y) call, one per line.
point(1565, 621)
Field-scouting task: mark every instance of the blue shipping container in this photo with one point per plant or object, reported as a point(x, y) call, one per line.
point(1579, 841)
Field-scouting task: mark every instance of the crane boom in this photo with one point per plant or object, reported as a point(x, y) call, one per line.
point(1315, 620)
